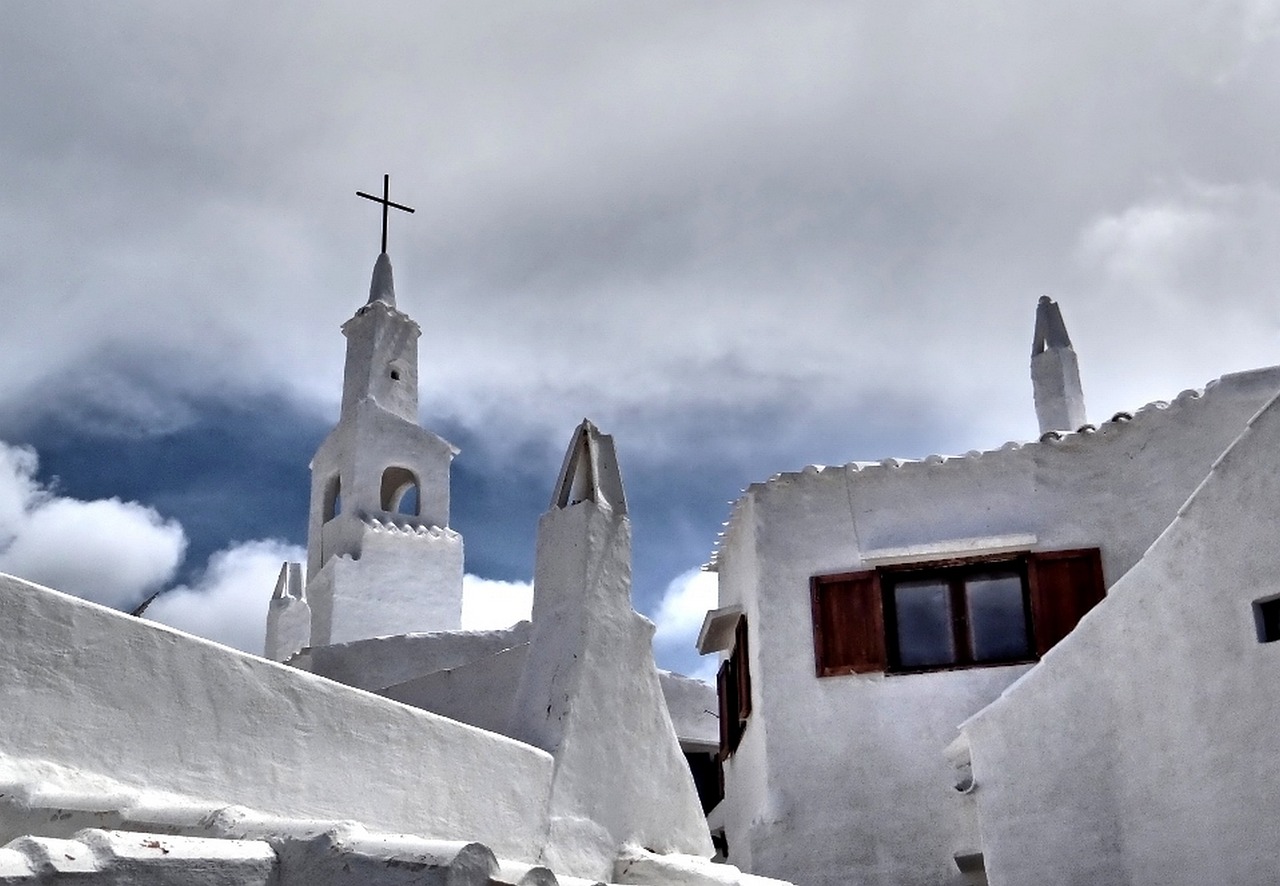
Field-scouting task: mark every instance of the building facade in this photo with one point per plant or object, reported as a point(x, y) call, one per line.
point(866, 611)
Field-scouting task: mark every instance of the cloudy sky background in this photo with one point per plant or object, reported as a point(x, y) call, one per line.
point(741, 237)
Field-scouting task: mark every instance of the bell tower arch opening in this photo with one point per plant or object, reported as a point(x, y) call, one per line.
point(400, 492)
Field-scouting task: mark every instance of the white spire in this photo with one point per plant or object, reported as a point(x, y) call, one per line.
point(382, 287)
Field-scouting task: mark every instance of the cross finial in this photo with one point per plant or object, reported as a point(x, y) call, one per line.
point(386, 204)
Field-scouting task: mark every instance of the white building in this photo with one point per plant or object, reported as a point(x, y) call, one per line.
point(868, 612)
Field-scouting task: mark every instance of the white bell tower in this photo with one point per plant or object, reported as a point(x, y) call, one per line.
point(381, 558)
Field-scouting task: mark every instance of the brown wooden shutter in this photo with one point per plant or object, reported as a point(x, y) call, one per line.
point(1064, 586)
point(728, 715)
point(848, 624)
point(743, 669)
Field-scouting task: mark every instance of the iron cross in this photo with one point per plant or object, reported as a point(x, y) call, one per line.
point(386, 203)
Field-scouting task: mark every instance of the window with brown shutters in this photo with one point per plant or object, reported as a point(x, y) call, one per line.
point(733, 687)
point(974, 612)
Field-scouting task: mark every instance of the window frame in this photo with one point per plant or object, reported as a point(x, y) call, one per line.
point(955, 573)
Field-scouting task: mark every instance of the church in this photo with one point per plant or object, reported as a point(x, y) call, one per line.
point(1054, 662)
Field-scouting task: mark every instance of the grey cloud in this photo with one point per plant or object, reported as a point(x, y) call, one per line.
point(705, 206)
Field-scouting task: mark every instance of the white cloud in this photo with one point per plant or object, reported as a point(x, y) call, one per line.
point(18, 488)
point(1149, 245)
point(706, 670)
point(488, 604)
point(1203, 242)
point(115, 552)
point(228, 603)
point(683, 606)
point(1162, 270)
point(110, 551)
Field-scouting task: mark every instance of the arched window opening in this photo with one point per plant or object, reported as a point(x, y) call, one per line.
point(332, 498)
point(400, 492)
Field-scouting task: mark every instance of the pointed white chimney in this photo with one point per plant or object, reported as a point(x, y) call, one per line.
point(589, 694)
point(289, 615)
point(1055, 372)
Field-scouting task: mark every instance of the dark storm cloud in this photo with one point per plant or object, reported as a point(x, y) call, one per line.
point(231, 470)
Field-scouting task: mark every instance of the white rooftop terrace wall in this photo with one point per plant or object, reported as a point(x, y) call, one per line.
point(97, 691)
point(842, 779)
point(379, 662)
point(1141, 751)
point(693, 708)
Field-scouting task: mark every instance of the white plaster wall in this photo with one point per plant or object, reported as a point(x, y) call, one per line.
point(1055, 384)
point(693, 708)
point(402, 582)
point(92, 689)
point(855, 785)
point(363, 444)
point(379, 662)
point(745, 773)
point(478, 692)
point(379, 339)
point(288, 627)
point(1164, 706)
point(590, 695)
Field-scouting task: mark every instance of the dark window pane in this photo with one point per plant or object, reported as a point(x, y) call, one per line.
point(997, 617)
point(923, 611)
point(1267, 613)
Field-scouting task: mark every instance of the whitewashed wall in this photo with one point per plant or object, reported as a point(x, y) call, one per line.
point(842, 779)
point(379, 662)
point(1161, 768)
point(92, 689)
point(692, 705)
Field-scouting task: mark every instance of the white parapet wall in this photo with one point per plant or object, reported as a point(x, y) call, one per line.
point(89, 688)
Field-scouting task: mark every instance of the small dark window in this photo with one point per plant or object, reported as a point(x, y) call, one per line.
point(923, 623)
point(958, 614)
point(332, 498)
point(1266, 614)
point(708, 777)
point(997, 616)
point(733, 686)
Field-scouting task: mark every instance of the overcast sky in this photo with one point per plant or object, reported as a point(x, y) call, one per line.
point(741, 237)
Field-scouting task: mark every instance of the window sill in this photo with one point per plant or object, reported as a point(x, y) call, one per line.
point(975, 666)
